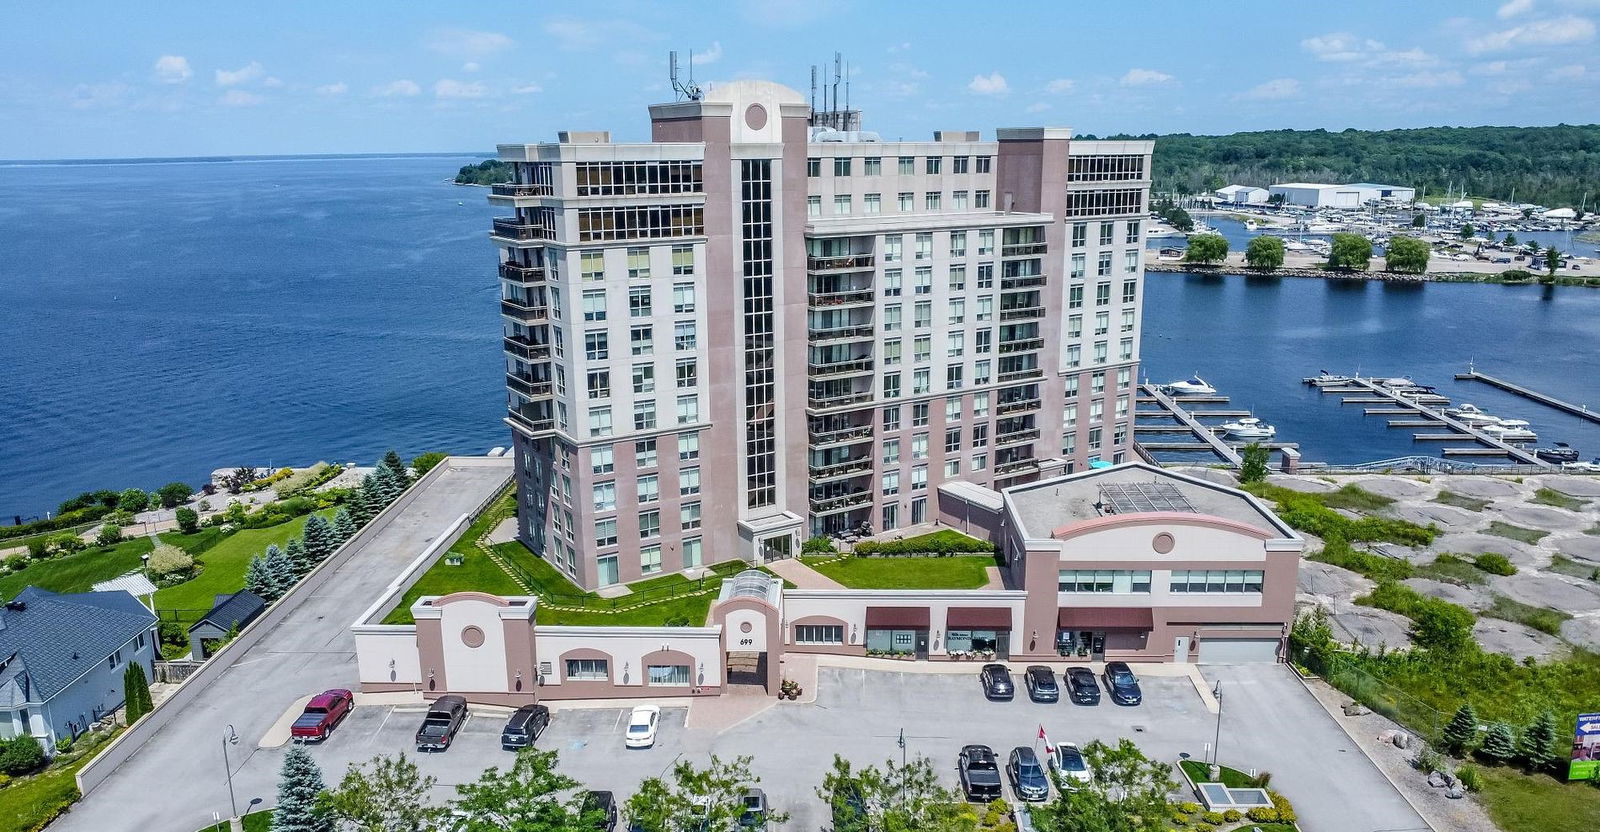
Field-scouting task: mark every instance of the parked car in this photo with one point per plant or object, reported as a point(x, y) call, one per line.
point(1041, 684)
point(604, 804)
point(1081, 685)
point(1070, 766)
point(996, 679)
point(642, 726)
point(1028, 779)
point(979, 770)
point(524, 727)
point(439, 727)
point(1122, 684)
point(755, 810)
point(322, 714)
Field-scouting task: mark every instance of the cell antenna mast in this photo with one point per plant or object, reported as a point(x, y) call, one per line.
point(813, 88)
point(683, 90)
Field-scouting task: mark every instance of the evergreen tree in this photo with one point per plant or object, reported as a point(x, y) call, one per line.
point(280, 574)
point(393, 463)
point(1539, 747)
point(256, 579)
point(1462, 730)
point(388, 487)
point(299, 557)
point(371, 498)
point(319, 541)
point(135, 692)
point(299, 792)
point(1499, 744)
point(344, 526)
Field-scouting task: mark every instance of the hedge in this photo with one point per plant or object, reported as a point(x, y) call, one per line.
point(926, 545)
point(65, 520)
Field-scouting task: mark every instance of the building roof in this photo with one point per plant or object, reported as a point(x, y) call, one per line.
point(48, 640)
point(231, 611)
point(1306, 185)
point(134, 583)
point(1043, 507)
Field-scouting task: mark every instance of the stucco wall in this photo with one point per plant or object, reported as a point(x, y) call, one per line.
point(627, 651)
point(386, 655)
point(849, 607)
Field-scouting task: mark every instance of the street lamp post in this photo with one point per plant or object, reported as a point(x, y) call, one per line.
point(1216, 765)
point(230, 738)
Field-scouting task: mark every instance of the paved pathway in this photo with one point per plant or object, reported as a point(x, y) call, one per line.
point(802, 576)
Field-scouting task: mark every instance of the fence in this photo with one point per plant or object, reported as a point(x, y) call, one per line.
point(174, 672)
point(1343, 672)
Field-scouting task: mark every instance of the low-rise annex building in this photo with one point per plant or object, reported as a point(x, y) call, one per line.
point(1129, 562)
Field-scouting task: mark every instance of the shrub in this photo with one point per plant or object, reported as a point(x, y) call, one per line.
point(1428, 761)
point(938, 543)
point(1495, 564)
point(308, 479)
point(168, 559)
point(423, 463)
point(1180, 819)
point(66, 543)
point(1516, 275)
point(1233, 816)
point(188, 520)
point(20, 755)
point(1284, 808)
point(1377, 567)
point(109, 535)
point(819, 545)
point(39, 548)
point(1471, 778)
point(174, 493)
point(1189, 806)
point(64, 520)
point(1262, 814)
point(1204, 827)
point(134, 500)
point(1262, 780)
point(1212, 817)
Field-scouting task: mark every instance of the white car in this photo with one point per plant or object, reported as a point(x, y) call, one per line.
point(1070, 766)
point(642, 726)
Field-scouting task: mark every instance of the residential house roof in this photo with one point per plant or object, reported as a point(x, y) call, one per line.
point(232, 611)
point(48, 640)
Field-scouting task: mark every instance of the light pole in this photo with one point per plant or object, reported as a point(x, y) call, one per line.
point(1216, 766)
point(230, 738)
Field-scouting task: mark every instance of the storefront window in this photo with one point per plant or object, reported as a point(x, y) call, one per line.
point(891, 641)
point(669, 674)
point(968, 641)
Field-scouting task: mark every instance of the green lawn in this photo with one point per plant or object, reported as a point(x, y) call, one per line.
point(1520, 802)
point(254, 822)
point(1450, 498)
point(1452, 569)
point(476, 572)
point(81, 571)
point(1516, 532)
point(28, 803)
point(954, 572)
point(225, 564)
point(1231, 777)
point(1552, 497)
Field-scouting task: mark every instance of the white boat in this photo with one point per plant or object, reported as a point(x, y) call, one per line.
point(1469, 414)
point(1249, 427)
point(1194, 386)
point(1399, 381)
point(1514, 423)
point(1505, 434)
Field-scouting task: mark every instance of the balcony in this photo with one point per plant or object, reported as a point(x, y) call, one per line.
point(1024, 345)
point(849, 332)
point(825, 401)
point(514, 189)
point(524, 310)
point(841, 263)
point(1016, 437)
point(515, 229)
point(1031, 281)
point(843, 367)
point(1023, 249)
point(853, 433)
point(522, 274)
point(530, 421)
point(1018, 375)
point(844, 502)
point(1016, 466)
point(842, 298)
point(1020, 313)
point(1017, 406)
point(527, 349)
point(528, 385)
point(847, 468)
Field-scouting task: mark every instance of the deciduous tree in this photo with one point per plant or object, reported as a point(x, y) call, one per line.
point(527, 797)
point(188, 520)
point(424, 463)
point(1350, 251)
point(1467, 231)
point(692, 799)
point(174, 493)
point(894, 798)
point(1206, 248)
point(1408, 255)
point(385, 794)
point(134, 500)
point(1265, 252)
point(1254, 468)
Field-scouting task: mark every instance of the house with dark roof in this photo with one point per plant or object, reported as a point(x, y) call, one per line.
point(229, 614)
point(62, 658)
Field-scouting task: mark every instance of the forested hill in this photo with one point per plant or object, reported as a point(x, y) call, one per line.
point(1552, 166)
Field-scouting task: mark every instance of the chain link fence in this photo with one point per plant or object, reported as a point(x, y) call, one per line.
point(1343, 672)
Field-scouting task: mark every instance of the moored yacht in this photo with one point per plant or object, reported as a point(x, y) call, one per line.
point(1194, 386)
point(1509, 434)
point(1249, 427)
point(1469, 414)
point(1560, 452)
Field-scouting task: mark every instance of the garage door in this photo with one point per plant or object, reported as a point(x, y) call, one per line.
point(1238, 650)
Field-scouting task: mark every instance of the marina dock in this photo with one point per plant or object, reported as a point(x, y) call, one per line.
point(1579, 410)
point(1201, 437)
point(1415, 405)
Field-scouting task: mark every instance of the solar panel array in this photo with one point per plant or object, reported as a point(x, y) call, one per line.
point(1133, 497)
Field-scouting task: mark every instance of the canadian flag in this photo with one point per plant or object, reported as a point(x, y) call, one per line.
point(1048, 748)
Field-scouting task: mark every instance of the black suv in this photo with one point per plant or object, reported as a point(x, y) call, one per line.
point(1122, 684)
point(979, 770)
point(1081, 686)
point(604, 805)
point(1041, 684)
point(524, 727)
point(996, 679)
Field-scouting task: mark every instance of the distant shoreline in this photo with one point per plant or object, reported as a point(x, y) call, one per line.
point(191, 160)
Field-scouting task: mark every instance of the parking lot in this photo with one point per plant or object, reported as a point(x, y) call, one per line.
point(1269, 722)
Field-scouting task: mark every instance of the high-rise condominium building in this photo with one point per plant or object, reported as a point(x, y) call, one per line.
point(751, 330)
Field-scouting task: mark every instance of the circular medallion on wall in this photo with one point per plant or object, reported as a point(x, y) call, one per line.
point(755, 116)
point(745, 627)
point(472, 637)
point(1163, 543)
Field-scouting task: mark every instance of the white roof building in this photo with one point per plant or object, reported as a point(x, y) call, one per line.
point(1241, 195)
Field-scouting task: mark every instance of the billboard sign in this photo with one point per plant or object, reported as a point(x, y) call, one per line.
point(1585, 748)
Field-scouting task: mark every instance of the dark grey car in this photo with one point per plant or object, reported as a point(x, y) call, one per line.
point(997, 684)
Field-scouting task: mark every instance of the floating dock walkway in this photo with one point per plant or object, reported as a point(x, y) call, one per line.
point(1204, 437)
point(1415, 405)
point(1579, 410)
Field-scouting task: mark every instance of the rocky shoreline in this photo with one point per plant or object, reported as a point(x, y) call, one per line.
point(1383, 276)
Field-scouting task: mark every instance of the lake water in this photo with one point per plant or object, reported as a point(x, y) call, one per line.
point(160, 321)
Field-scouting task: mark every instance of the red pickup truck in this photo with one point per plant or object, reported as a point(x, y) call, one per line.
point(325, 711)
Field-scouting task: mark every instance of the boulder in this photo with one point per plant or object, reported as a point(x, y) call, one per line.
point(1402, 739)
point(1356, 709)
point(1436, 780)
point(1455, 792)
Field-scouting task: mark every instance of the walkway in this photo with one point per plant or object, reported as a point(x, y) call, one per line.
point(802, 576)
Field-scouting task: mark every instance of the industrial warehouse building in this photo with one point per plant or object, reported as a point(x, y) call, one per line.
point(1241, 195)
point(1355, 195)
point(1129, 562)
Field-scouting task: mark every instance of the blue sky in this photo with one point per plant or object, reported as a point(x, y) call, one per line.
point(119, 79)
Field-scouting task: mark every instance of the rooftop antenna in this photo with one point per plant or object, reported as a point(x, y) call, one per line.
point(813, 88)
point(683, 90)
point(847, 87)
point(838, 60)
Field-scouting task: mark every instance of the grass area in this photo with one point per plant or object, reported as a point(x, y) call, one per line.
point(28, 803)
point(954, 572)
point(1231, 777)
point(1376, 567)
point(1552, 497)
point(1452, 569)
point(1568, 566)
point(1355, 498)
point(1507, 530)
point(1594, 530)
point(476, 572)
point(1520, 802)
point(1315, 514)
point(254, 822)
point(80, 571)
point(1450, 498)
point(1539, 618)
point(225, 564)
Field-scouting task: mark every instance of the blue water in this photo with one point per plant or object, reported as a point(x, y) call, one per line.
point(160, 321)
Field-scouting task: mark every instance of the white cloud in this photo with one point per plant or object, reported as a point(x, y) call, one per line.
point(402, 87)
point(471, 66)
point(992, 84)
point(338, 88)
point(450, 88)
point(1429, 80)
point(246, 73)
point(1570, 72)
point(899, 47)
point(710, 56)
point(1554, 32)
point(1038, 107)
point(96, 96)
point(466, 43)
point(239, 98)
point(1344, 47)
point(1514, 8)
point(527, 89)
point(1137, 77)
point(1277, 88)
point(173, 69)
point(272, 83)
point(1060, 85)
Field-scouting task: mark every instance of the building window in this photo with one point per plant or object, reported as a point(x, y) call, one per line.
point(932, 200)
point(683, 298)
point(605, 496)
point(644, 415)
point(689, 515)
point(650, 526)
point(683, 259)
point(841, 204)
point(668, 675)
point(983, 164)
point(644, 454)
point(683, 336)
point(985, 242)
point(968, 641)
point(872, 204)
point(649, 488)
point(934, 164)
point(891, 483)
point(599, 421)
point(1107, 232)
point(688, 372)
point(599, 384)
point(1216, 580)
point(1119, 581)
point(891, 418)
point(644, 378)
point(1103, 264)
point(980, 199)
point(818, 634)
point(601, 461)
point(959, 164)
point(605, 532)
point(813, 206)
point(587, 670)
point(594, 305)
point(958, 200)
point(638, 264)
point(688, 409)
point(872, 166)
point(592, 265)
point(841, 167)
point(693, 552)
point(639, 305)
point(688, 446)
point(1130, 291)
point(596, 346)
point(641, 341)
point(813, 168)
point(688, 482)
point(906, 201)
point(958, 244)
point(908, 165)
point(919, 414)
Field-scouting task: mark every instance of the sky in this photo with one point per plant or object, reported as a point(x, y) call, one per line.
point(117, 79)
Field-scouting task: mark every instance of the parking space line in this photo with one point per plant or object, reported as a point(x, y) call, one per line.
point(387, 712)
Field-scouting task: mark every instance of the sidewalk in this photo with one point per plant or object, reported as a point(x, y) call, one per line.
point(802, 576)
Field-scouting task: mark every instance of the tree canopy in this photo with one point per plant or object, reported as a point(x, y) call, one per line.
point(1206, 248)
point(1406, 254)
point(1264, 252)
point(1350, 251)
